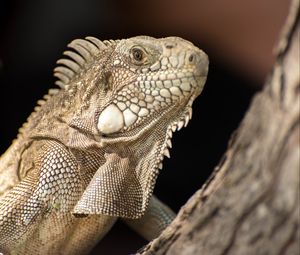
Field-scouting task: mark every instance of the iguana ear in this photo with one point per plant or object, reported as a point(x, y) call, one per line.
point(122, 187)
point(84, 52)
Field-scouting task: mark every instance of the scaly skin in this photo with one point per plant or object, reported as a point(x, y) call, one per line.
point(91, 151)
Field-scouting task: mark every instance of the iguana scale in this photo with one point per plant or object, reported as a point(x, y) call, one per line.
point(91, 151)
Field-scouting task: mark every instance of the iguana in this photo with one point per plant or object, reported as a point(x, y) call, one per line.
point(91, 151)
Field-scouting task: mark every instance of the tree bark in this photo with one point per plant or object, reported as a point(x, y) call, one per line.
point(250, 205)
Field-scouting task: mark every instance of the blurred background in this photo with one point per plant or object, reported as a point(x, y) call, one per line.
point(238, 36)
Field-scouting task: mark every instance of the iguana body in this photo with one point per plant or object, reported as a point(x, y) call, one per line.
point(91, 151)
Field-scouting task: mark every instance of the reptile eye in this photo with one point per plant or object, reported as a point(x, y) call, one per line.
point(137, 55)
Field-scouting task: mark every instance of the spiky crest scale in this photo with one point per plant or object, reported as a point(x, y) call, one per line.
point(84, 52)
point(40, 103)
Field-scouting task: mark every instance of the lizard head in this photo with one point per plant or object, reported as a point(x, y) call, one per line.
point(152, 81)
point(134, 93)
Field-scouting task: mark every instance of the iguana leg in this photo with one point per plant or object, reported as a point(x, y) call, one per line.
point(16, 215)
point(38, 208)
point(87, 232)
point(157, 217)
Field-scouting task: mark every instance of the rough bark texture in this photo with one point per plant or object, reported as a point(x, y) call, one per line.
point(251, 203)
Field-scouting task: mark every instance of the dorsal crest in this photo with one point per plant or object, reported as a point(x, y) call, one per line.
point(83, 52)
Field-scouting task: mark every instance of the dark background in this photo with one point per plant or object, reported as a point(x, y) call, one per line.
point(237, 35)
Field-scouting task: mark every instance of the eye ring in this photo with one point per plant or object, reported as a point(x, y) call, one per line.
point(138, 55)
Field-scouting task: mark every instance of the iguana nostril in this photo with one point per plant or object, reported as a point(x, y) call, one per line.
point(170, 46)
point(191, 58)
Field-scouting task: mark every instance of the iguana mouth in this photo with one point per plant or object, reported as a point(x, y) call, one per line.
point(180, 113)
point(126, 115)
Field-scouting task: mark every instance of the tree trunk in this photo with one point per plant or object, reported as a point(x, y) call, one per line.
point(250, 205)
